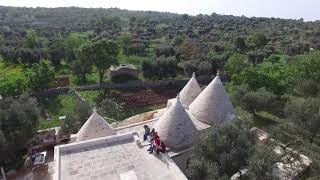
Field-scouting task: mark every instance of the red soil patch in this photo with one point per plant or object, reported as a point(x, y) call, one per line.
point(149, 97)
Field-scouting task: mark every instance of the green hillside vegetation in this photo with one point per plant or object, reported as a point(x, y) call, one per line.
point(271, 67)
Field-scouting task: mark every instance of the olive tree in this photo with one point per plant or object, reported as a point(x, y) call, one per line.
point(103, 53)
point(305, 113)
point(221, 152)
point(18, 121)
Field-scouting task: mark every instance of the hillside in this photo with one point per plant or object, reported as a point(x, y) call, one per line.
point(54, 69)
point(214, 31)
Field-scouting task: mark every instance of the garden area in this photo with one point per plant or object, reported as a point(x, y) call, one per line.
point(113, 104)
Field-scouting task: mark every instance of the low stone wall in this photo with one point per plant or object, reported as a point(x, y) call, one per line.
point(127, 85)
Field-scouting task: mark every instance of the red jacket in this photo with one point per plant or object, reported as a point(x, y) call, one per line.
point(157, 140)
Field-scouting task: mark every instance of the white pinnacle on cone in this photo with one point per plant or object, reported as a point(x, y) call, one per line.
point(190, 91)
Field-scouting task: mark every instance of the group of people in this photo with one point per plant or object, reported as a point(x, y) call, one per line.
point(153, 137)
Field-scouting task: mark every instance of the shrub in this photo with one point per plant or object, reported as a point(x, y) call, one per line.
point(221, 152)
point(123, 78)
point(161, 68)
point(205, 68)
point(305, 113)
point(165, 51)
point(307, 88)
point(189, 67)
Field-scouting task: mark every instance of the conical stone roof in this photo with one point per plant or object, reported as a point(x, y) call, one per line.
point(94, 127)
point(213, 105)
point(175, 127)
point(190, 91)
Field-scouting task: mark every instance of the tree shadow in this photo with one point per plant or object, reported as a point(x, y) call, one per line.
point(262, 121)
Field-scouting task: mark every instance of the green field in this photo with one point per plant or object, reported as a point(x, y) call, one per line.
point(55, 107)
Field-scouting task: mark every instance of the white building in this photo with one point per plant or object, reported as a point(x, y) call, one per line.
point(99, 151)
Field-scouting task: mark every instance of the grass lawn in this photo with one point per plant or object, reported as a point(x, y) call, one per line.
point(132, 59)
point(8, 69)
point(265, 119)
point(91, 78)
point(90, 96)
point(45, 124)
point(55, 107)
point(128, 112)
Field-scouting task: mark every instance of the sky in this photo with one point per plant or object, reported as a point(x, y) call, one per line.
point(292, 9)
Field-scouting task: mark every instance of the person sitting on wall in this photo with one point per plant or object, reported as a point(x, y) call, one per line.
point(146, 132)
point(156, 143)
point(152, 134)
point(162, 148)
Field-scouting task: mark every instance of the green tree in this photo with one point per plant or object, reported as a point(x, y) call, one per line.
point(149, 70)
point(13, 83)
point(306, 114)
point(217, 60)
point(75, 119)
point(31, 39)
point(204, 68)
point(160, 68)
point(56, 51)
point(270, 77)
point(225, 149)
point(255, 57)
point(259, 40)
point(82, 66)
point(303, 67)
point(260, 164)
point(103, 53)
point(190, 67)
point(240, 44)
point(75, 40)
point(307, 88)
point(274, 59)
point(178, 40)
point(254, 101)
point(18, 121)
point(199, 169)
point(124, 39)
point(236, 63)
point(41, 75)
point(252, 77)
point(72, 44)
point(111, 108)
point(167, 67)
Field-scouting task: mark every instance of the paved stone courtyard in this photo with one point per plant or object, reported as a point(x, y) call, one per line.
point(113, 162)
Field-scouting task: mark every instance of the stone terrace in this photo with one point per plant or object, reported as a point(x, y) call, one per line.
point(113, 158)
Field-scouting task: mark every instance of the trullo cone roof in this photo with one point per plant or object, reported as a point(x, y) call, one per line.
point(175, 127)
point(213, 105)
point(94, 127)
point(190, 91)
